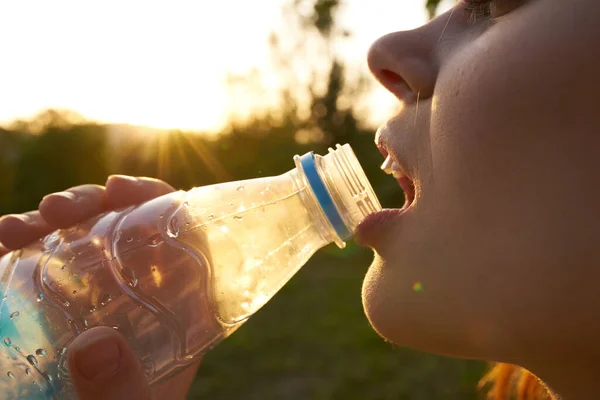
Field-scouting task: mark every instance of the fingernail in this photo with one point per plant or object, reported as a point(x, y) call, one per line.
point(123, 177)
point(99, 356)
point(19, 217)
point(63, 195)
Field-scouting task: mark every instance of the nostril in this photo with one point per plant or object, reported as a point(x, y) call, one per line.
point(396, 85)
point(391, 77)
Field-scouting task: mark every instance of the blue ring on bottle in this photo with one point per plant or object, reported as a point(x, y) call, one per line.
point(317, 185)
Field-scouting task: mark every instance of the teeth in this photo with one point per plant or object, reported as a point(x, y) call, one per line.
point(398, 174)
point(387, 165)
point(391, 168)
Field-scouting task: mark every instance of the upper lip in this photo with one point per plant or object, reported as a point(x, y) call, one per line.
point(386, 150)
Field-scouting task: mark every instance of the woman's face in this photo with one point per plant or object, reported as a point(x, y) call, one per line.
point(498, 256)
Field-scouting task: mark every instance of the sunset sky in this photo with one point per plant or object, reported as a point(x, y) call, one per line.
point(160, 64)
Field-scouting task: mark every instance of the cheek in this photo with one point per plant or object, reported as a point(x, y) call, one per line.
point(513, 185)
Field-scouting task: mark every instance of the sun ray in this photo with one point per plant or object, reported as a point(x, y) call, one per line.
point(211, 162)
point(187, 168)
point(163, 157)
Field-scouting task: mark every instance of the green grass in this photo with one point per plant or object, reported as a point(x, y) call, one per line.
point(312, 341)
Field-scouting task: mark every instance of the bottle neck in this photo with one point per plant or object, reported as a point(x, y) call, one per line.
point(315, 211)
point(338, 192)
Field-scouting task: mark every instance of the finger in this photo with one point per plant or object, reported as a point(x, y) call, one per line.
point(104, 367)
point(122, 190)
point(18, 230)
point(64, 209)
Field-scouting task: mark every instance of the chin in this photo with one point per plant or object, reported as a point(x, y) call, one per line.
point(415, 317)
point(385, 304)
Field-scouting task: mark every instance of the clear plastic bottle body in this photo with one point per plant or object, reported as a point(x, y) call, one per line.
point(174, 275)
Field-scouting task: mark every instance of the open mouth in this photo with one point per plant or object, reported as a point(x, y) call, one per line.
point(376, 227)
point(391, 167)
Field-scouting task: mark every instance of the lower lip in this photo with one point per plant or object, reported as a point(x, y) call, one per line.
point(375, 225)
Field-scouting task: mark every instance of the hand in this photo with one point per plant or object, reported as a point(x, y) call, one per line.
point(102, 364)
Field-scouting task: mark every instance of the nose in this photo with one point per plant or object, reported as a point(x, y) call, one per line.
point(407, 63)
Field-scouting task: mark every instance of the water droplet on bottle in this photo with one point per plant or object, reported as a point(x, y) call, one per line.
point(231, 205)
point(129, 239)
point(32, 360)
point(75, 292)
point(173, 227)
point(40, 297)
point(85, 323)
point(70, 320)
point(186, 204)
point(41, 352)
point(71, 259)
point(14, 315)
point(105, 299)
point(17, 348)
point(51, 241)
point(67, 303)
point(92, 309)
point(154, 240)
point(63, 267)
point(7, 341)
point(153, 269)
point(4, 297)
point(240, 188)
point(10, 375)
point(27, 371)
point(210, 217)
point(47, 376)
point(130, 276)
point(238, 217)
point(63, 351)
point(161, 216)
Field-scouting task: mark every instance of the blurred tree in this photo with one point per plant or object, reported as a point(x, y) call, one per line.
point(316, 95)
point(51, 118)
point(11, 143)
point(52, 151)
point(330, 121)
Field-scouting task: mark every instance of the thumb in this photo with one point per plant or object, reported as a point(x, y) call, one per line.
point(103, 367)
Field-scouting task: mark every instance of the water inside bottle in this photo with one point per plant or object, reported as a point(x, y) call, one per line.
point(174, 276)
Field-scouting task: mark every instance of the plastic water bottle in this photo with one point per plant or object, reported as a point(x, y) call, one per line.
point(174, 275)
